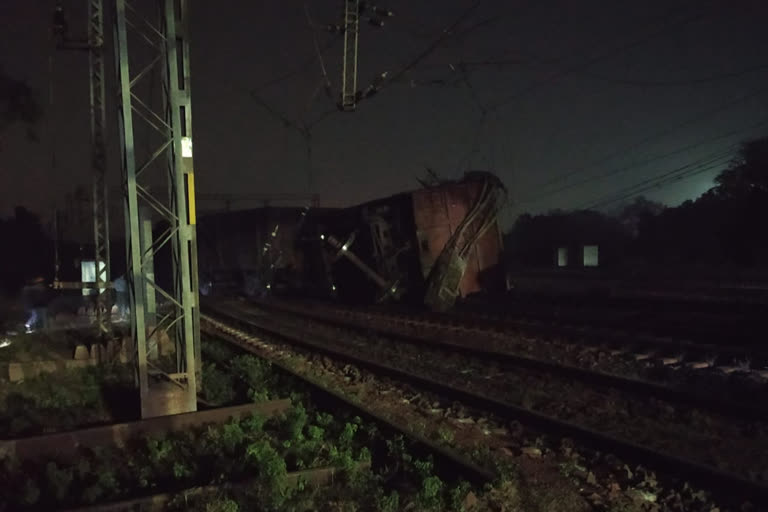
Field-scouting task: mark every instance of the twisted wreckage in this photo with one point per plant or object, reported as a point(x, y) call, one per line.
point(427, 246)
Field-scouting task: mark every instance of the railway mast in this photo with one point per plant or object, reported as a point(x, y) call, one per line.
point(153, 35)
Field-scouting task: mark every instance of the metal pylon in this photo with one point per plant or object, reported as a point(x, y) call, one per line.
point(143, 45)
point(99, 163)
point(349, 72)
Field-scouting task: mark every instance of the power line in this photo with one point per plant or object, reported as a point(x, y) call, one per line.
point(718, 77)
point(702, 165)
point(576, 68)
point(657, 185)
point(714, 158)
point(299, 69)
point(457, 35)
point(584, 52)
point(481, 124)
point(654, 158)
point(654, 136)
point(447, 32)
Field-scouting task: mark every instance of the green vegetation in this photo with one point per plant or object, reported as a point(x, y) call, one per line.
point(252, 447)
point(404, 484)
point(256, 450)
point(403, 481)
point(40, 345)
point(232, 378)
point(67, 399)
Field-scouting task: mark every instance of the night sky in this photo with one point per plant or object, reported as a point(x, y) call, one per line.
point(582, 99)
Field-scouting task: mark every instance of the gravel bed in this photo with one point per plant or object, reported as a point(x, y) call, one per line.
point(544, 465)
point(622, 362)
point(736, 446)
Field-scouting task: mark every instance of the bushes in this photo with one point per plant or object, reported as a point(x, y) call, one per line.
point(65, 400)
point(231, 377)
point(250, 447)
point(218, 386)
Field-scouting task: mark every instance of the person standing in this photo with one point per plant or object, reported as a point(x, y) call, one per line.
point(35, 298)
point(121, 298)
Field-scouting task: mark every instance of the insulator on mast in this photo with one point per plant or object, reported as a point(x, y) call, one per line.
point(60, 25)
point(383, 12)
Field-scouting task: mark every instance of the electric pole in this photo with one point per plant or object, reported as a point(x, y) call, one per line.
point(99, 163)
point(149, 44)
point(354, 11)
point(94, 45)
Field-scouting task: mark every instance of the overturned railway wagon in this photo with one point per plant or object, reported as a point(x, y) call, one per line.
point(427, 246)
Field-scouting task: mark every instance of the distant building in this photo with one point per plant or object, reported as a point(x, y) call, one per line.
point(577, 256)
point(568, 241)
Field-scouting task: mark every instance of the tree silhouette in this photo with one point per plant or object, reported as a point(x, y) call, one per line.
point(639, 211)
point(17, 105)
point(721, 229)
point(29, 251)
point(748, 173)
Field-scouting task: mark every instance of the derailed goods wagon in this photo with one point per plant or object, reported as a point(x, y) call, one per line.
point(251, 252)
point(426, 246)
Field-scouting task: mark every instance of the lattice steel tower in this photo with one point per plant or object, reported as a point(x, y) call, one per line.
point(142, 45)
point(99, 163)
point(94, 46)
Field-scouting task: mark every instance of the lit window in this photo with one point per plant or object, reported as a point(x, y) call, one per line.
point(590, 256)
point(562, 256)
point(88, 274)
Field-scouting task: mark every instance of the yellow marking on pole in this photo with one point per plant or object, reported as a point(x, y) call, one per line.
point(191, 197)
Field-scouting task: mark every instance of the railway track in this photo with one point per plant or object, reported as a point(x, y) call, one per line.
point(122, 441)
point(450, 462)
point(747, 365)
point(733, 332)
point(430, 372)
point(494, 345)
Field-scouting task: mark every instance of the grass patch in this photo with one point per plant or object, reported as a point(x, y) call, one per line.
point(67, 399)
point(251, 447)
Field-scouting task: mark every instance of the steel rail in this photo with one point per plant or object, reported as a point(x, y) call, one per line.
point(716, 480)
point(608, 336)
point(365, 323)
point(449, 462)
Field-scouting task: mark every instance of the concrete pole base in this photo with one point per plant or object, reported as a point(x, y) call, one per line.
point(165, 399)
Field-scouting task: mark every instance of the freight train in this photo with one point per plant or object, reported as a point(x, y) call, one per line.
point(427, 246)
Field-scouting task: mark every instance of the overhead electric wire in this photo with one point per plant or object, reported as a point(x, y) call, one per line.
point(455, 35)
point(658, 135)
point(654, 158)
point(481, 124)
point(576, 68)
point(713, 78)
point(660, 184)
point(447, 32)
point(718, 77)
point(702, 165)
point(584, 52)
point(717, 158)
point(301, 69)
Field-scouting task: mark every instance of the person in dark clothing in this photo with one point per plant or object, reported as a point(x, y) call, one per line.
point(122, 298)
point(35, 298)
